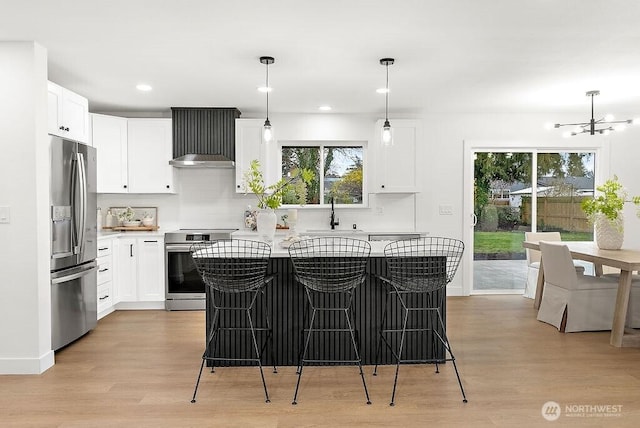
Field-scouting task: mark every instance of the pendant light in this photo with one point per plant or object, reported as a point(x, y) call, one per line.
point(267, 132)
point(387, 132)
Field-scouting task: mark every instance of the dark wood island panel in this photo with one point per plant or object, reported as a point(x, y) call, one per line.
point(286, 302)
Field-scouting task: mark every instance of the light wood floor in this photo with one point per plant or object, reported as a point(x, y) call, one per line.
point(138, 369)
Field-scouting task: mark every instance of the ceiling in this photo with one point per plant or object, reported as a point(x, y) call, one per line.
point(472, 56)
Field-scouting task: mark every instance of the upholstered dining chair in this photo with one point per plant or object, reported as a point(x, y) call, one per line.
point(533, 260)
point(572, 301)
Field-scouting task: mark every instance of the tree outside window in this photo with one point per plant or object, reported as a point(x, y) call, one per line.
point(338, 173)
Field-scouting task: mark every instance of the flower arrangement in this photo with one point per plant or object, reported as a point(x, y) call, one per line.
point(126, 215)
point(271, 196)
point(610, 203)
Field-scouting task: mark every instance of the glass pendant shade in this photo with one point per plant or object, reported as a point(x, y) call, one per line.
point(387, 134)
point(267, 132)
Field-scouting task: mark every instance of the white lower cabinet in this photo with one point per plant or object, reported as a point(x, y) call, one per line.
point(105, 277)
point(140, 279)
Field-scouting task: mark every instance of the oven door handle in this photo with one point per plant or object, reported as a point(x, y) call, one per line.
point(178, 248)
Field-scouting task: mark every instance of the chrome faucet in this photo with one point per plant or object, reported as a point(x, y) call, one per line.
point(333, 222)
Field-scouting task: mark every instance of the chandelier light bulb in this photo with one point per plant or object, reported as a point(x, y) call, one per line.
point(548, 126)
point(606, 132)
point(566, 134)
point(609, 118)
point(620, 127)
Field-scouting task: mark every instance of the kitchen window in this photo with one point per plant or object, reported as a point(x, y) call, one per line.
point(339, 172)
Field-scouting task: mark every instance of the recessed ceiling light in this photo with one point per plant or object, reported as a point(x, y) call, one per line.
point(324, 108)
point(264, 89)
point(143, 87)
point(382, 90)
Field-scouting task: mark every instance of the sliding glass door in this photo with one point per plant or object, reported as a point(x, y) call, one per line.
point(519, 191)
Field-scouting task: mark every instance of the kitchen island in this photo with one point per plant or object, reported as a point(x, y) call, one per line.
point(286, 302)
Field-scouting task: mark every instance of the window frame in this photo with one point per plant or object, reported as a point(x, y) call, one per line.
point(321, 144)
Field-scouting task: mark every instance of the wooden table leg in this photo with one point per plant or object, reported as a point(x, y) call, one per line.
point(622, 303)
point(539, 287)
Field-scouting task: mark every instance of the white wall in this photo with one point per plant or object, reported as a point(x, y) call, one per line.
point(25, 297)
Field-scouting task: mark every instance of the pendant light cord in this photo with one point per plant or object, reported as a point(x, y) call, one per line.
point(268, 89)
point(386, 98)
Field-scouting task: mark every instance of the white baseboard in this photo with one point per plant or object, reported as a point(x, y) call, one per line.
point(16, 366)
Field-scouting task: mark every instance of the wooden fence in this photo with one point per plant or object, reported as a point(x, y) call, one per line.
point(563, 213)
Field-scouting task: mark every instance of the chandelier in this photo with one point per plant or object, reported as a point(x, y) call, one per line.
point(601, 126)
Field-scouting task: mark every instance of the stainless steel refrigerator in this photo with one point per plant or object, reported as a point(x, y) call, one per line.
point(73, 241)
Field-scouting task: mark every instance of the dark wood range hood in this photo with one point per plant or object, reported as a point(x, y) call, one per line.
point(204, 137)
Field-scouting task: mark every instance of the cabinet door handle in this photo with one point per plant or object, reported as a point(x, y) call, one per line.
point(103, 270)
point(130, 250)
point(66, 129)
point(238, 186)
point(168, 187)
point(125, 186)
point(105, 297)
point(103, 248)
point(61, 128)
point(382, 186)
point(151, 241)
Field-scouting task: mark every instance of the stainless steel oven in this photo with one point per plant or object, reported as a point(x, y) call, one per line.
point(184, 288)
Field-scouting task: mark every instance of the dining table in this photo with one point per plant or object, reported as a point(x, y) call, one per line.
point(625, 259)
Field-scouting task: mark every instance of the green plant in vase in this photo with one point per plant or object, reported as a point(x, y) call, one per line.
point(605, 212)
point(270, 196)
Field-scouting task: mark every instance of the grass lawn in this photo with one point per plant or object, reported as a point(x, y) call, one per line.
point(511, 242)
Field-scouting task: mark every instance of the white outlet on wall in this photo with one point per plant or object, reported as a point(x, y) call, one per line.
point(445, 209)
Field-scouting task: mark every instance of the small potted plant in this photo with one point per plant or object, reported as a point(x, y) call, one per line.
point(605, 212)
point(270, 196)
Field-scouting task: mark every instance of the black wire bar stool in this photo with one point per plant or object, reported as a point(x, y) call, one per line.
point(330, 269)
point(235, 273)
point(418, 270)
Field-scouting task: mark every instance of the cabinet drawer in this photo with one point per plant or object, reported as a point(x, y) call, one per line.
point(105, 298)
point(105, 273)
point(104, 247)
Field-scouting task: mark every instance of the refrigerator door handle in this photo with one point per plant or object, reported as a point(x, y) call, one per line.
point(75, 227)
point(74, 275)
point(79, 196)
point(82, 172)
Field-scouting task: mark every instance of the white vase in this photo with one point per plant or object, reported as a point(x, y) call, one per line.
point(266, 221)
point(609, 233)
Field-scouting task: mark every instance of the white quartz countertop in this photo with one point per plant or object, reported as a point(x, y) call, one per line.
point(279, 248)
point(104, 234)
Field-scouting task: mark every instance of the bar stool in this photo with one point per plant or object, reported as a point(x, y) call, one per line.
point(418, 270)
point(235, 273)
point(330, 269)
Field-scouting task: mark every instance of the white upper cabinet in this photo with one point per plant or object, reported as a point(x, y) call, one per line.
point(68, 114)
point(249, 146)
point(133, 154)
point(396, 166)
point(110, 141)
point(149, 153)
